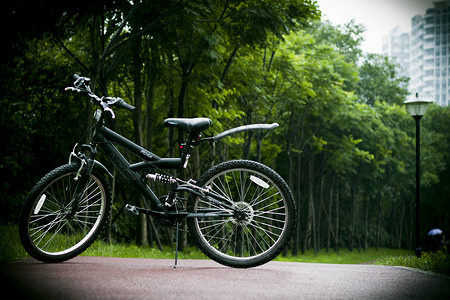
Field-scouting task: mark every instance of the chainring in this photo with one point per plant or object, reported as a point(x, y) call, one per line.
point(177, 206)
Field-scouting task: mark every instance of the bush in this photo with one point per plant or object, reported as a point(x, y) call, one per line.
point(438, 262)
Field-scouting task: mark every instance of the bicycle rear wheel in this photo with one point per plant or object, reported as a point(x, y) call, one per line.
point(48, 228)
point(263, 221)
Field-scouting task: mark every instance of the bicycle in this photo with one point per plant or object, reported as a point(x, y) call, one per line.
point(240, 213)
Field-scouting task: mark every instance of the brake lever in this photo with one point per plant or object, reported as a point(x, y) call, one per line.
point(107, 108)
point(72, 89)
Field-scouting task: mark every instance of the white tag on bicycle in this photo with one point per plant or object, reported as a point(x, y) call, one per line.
point(259, 181)
point(97, 114)
point(39, 204)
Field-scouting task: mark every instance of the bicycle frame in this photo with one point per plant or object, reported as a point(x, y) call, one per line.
point(105, 138)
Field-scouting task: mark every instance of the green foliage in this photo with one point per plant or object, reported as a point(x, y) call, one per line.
point(438, 262)
point(35, 114)
point(380, 81)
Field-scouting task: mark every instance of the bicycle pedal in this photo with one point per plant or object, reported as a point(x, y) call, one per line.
point(131, 210)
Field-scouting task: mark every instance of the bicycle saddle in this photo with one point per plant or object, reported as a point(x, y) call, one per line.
point(190, 125)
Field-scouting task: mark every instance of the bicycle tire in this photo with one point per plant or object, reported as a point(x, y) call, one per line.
point(47, 231)
point(266, 224)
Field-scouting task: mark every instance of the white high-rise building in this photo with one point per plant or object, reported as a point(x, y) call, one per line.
point(396, 45)
point(430, 53)
point(424, 54)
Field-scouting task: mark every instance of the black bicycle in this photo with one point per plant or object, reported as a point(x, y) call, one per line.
point(241, 213)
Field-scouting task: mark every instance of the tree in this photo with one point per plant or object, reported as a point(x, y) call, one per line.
point(379, 81)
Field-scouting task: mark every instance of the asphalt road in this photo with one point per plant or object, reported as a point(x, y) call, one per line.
point(132, 278)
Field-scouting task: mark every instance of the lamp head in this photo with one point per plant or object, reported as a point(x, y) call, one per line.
point(417, 106)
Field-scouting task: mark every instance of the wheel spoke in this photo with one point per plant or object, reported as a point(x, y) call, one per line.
point(256, 231)
point(50, 229)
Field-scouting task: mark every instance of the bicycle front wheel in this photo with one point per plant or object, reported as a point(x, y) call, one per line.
point(263, 214)
point(50, 229)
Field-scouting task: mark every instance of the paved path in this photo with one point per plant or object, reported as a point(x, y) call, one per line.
point(132, 278)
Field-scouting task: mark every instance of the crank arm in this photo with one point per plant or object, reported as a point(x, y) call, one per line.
point(209, 215)
point(207, 195)
point(134, 210)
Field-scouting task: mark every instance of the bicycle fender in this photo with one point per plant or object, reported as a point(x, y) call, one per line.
point(101, 166)
point(245, 128)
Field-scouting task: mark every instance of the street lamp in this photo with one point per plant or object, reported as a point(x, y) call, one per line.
point(417, 108)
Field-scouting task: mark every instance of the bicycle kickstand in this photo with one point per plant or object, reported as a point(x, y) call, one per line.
point(176, 246)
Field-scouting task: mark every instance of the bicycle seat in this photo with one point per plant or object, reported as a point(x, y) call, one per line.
point(190, 125)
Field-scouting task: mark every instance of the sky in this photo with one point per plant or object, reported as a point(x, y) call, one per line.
point(378, 16)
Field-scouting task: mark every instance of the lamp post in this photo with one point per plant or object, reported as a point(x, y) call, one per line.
point(417, 108)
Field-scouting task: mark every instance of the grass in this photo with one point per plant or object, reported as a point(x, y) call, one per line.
point(11, 249)
point(10, 246)
point(344, 256)
point(99, 248)
point(438, 262)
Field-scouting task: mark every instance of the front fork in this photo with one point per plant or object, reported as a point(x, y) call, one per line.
point(82, 175)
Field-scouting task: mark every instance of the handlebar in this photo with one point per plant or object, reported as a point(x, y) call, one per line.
point(82, 84)
point(122, 104)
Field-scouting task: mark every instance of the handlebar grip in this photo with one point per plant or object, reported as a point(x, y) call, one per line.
point(122, 104)
point(76, 76)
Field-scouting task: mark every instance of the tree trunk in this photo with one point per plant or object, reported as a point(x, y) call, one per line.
point(336, 240)
point(249, 135)
point(411, 223)
point(366, 225)
point(259, 147)
point(400, 229)
point(142, 239)
point(290, 180)
point(393, 232)
point(330, 206)
point(319, 213)
point(93, 65)
point(149, 114)
point(353, 219)
point(298, 202)
point(377, 238)
point(309, 209)
point(182, 237)
point(151, 70)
